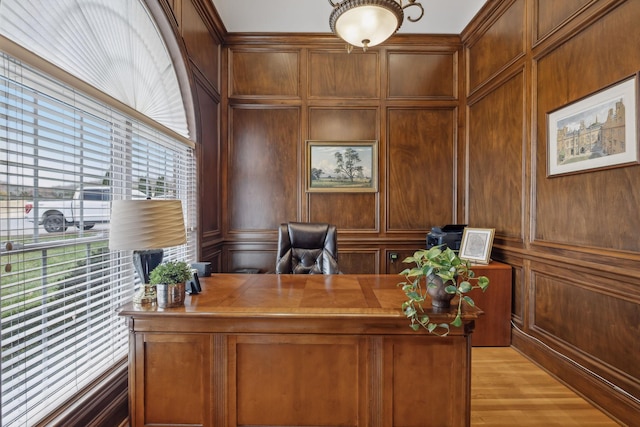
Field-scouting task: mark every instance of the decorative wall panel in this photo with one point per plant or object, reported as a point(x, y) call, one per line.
point(499, 45)
point(421, 168)
point(345, 75)
point(348, 211)
point(590, 321)
point(202, 48)
point(496, 129)
point(343, 124)
point(365, 261)
point(264, 74)
point(407, 69)
point(262, 169)
point(244, 257)
point(209, 162)
point(551, 13)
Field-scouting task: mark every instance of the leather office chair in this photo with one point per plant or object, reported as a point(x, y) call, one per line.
point(307, 248)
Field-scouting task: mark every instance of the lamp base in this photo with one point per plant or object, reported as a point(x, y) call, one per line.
point(146, 295)
point(144, 262)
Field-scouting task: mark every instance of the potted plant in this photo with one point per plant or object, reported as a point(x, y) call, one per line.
point(446, 276)
point(170, 279)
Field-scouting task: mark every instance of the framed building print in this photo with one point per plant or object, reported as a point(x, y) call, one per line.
point(341, 166)
point(597, 132)
point(476, 245)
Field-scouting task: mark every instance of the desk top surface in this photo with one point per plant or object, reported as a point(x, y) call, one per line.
point(268, 295)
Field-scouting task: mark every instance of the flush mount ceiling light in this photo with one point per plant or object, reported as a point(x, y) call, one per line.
point(366, 23)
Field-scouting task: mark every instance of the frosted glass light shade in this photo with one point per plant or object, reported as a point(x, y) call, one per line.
point(146, 224)
point(366, 23)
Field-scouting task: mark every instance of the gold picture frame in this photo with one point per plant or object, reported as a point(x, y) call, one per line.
point(476, 245)
point(341, 166)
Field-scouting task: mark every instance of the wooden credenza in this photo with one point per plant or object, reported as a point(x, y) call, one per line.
point(296, 350)
point(493, 329)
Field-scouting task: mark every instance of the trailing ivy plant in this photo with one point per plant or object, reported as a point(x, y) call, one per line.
point(454, 272)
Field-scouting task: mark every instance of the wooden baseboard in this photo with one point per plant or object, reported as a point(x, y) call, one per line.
point(618, 405)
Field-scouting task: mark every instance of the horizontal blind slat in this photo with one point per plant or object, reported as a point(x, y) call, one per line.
point(60, 328)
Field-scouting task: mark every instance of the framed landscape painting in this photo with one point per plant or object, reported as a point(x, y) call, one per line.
point(597, 132)
point(342, 166)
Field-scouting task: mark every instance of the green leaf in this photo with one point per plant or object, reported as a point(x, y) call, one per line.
point(469, 301)
point(465, 286)
point(450, 289)
point(415, 296)
point(415, 326)
point(433, 252)
point(457, 322)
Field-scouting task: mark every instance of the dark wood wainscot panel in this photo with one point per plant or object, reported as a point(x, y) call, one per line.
point(263, 260)
point(348, 211)
point(209, 163)
point(496, 126)
point(202, 47)
point(343, 124)
point(591, 323)
point(552, 13)
point(441, 69)
point(420, 150)
point(263, 158)
point(359, 261)
point(501, 44)
point(339, 74)
point(259, 73)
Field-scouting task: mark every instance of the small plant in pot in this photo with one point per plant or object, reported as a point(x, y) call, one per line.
point(170, 278)
point(441, 274)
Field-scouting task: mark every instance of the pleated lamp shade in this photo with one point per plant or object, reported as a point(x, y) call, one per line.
point(146, 224)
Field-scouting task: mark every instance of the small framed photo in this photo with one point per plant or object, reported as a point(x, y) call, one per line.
point(342, 166)
point(476, 245)
point(597, 132)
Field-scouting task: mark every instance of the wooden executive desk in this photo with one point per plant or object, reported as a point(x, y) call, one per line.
point(285, 350)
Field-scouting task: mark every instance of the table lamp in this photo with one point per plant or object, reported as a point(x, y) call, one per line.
point(146, 227)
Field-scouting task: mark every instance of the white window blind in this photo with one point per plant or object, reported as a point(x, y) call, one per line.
point(114, 45)
point(60, 288)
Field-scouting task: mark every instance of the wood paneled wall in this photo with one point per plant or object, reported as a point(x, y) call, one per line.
point(280, 92)
point(572, 239)
point(199, 32)
point(461, 125)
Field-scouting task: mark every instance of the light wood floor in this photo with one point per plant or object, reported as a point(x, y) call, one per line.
point(509, 390)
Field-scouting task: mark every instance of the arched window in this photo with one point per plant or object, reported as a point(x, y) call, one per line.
point(66, 151)
point(113, 45)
